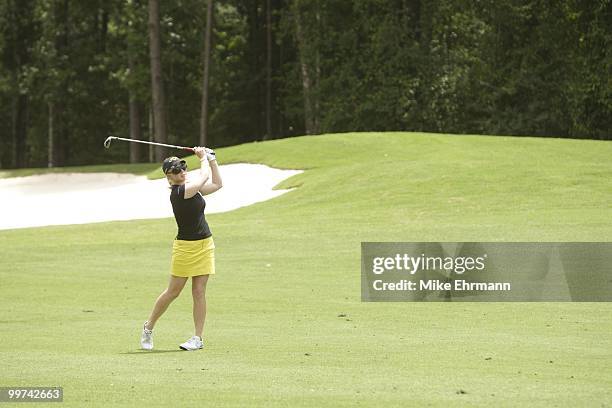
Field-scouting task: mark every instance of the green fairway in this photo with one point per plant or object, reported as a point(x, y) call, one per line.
point(285, 323)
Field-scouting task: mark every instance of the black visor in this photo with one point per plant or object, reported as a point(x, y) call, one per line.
point(174, 165)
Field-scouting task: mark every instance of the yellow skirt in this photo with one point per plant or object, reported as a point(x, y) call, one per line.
point(193, 258)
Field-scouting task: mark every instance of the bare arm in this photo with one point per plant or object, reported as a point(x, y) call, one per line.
point(216, 182)
point(195, 184)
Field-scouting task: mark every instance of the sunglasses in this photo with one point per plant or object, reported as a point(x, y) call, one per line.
point(177, 168)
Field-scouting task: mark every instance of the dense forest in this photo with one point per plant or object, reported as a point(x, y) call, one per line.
point(223, 72)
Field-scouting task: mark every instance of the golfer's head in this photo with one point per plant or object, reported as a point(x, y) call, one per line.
point(175, 170)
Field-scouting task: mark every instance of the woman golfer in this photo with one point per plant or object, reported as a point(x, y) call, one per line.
point(193, 253)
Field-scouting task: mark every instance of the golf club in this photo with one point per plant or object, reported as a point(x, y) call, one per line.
point(108, 140)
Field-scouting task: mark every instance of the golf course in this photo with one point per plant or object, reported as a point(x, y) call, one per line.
point(286, 325)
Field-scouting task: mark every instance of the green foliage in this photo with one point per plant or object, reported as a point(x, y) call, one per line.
point(502, 67)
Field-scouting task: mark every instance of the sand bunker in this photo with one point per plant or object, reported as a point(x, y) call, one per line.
point(81, 198)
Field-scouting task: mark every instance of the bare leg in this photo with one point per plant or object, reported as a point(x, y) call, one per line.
point(198, 290)
point(175, 286)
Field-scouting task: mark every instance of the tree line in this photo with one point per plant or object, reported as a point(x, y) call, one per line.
point(223, 72)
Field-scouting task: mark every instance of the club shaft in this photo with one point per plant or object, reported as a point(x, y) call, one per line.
point(153, 143)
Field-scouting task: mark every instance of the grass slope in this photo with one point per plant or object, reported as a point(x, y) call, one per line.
point(74, 297)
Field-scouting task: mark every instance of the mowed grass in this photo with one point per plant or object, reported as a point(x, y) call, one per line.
point(286, 326)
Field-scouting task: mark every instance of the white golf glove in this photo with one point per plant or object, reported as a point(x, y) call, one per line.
point(210, 154)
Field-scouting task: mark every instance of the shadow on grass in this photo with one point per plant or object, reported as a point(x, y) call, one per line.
point(153, 351)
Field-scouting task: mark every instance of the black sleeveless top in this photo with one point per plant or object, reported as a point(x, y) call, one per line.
point(189, 215)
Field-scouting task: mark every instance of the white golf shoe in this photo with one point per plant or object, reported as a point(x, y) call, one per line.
point(146, 339)
point(194, 343)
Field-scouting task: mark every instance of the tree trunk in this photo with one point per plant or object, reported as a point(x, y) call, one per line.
point(206, 79)
point(307, 84)
point(135, 122)
point(21, 131)
point(50, 162)
point(18, 40)
point(317, 79)
point(159, 114)
point(59, 135)
point(60, 145)
point(103, 30)
point(151, 133)
point(268, 134)
point(135, 132)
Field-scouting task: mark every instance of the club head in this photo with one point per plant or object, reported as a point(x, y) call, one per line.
point(107, 142)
